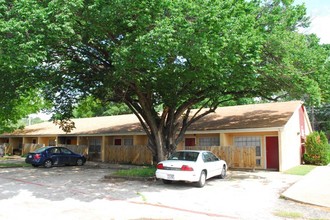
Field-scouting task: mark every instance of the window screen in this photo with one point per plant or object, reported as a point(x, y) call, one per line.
point(249, 141)
point(209, 141)
point(128, 142)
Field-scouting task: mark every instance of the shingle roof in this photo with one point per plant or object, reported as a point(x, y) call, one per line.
point(267, 115)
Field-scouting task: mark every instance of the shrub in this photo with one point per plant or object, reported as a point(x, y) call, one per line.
point(317, 149)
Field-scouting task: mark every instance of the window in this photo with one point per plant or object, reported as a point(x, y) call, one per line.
point(209, 157)
point(128, 141)
point(95, 145)
point(247, 141)
point(117, 141)
point(52, 142)
point(55, 150)
point(209, 141)
point(188, 156)
point(250, 141)
point(65, 151)
point(189, 142)
point(258, 151)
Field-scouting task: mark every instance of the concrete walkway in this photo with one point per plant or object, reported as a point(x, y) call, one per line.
point(314, 188)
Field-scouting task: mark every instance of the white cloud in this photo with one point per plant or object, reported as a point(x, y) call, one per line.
point(319, 26)
point(319, 13)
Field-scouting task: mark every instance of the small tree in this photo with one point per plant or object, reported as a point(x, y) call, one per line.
point(317, 149)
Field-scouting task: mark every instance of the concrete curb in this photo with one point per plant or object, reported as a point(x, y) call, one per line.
point(138, 178)
point(313, 189)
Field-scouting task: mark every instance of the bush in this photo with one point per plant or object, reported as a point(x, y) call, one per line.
point(317, 149)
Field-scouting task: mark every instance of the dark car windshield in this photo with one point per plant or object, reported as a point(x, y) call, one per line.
point(189, 156)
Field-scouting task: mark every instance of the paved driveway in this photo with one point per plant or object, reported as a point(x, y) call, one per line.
point(83, 193)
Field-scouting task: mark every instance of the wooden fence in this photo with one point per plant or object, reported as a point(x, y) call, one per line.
point(7, 149)
point(137, 154)
point(30, 148)
point(78, 149)
point(236, 157)
point(4, 149)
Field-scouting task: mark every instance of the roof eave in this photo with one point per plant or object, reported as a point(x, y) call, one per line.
point(249, 130)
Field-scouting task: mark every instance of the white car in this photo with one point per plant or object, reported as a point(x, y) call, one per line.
point(191, 166)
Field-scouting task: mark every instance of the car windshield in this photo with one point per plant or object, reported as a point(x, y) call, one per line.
point(180, 155)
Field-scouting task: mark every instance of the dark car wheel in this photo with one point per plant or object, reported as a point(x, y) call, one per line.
point(167, 181)
point(48, 164)
point(223, 173)
point(80, 162)
point(202, 179)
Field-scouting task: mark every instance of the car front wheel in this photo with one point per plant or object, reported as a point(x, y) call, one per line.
point(80, 162)
point(48, 164)
point(223, 173)
point(202, 179)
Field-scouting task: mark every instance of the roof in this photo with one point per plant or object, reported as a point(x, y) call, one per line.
point(268, 115)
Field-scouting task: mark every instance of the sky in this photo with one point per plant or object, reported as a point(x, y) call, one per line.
point(319, 13)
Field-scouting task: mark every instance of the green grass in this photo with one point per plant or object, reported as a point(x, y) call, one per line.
point(285, 214)
point(8, 165)
point(142, 196)
point(137, 172)
point(300, 170)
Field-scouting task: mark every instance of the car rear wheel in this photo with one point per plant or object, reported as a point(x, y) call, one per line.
point(223, 173)
point(202, 179)
point(167, 181)
point(48, 164)
point(80, 162)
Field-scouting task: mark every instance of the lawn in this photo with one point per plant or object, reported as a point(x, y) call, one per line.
point(12, 161)
point(145, 171)
point(300, 170)
point(8, 165)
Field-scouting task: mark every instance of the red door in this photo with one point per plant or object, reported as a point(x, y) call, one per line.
point(272, 153)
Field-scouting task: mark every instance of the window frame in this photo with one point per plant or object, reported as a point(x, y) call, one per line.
point(209, 141)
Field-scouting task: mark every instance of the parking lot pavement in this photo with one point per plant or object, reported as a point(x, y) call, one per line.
point(83, 193)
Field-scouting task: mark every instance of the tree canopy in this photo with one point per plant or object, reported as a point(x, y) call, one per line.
point(91, 107)
point(160, 58)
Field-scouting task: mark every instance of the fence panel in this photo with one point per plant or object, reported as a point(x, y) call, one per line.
point(31, 147)
point(137, 154)
point(236, 157)
point(9, 149)
point(78, 149)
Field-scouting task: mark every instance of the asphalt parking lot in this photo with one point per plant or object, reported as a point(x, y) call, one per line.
point(83, 193)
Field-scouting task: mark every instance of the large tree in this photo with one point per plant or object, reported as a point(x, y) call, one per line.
point(169, 55)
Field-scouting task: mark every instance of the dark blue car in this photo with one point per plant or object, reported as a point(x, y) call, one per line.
point(54, 156)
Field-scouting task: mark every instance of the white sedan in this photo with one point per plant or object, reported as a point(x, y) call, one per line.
point(191, 166)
